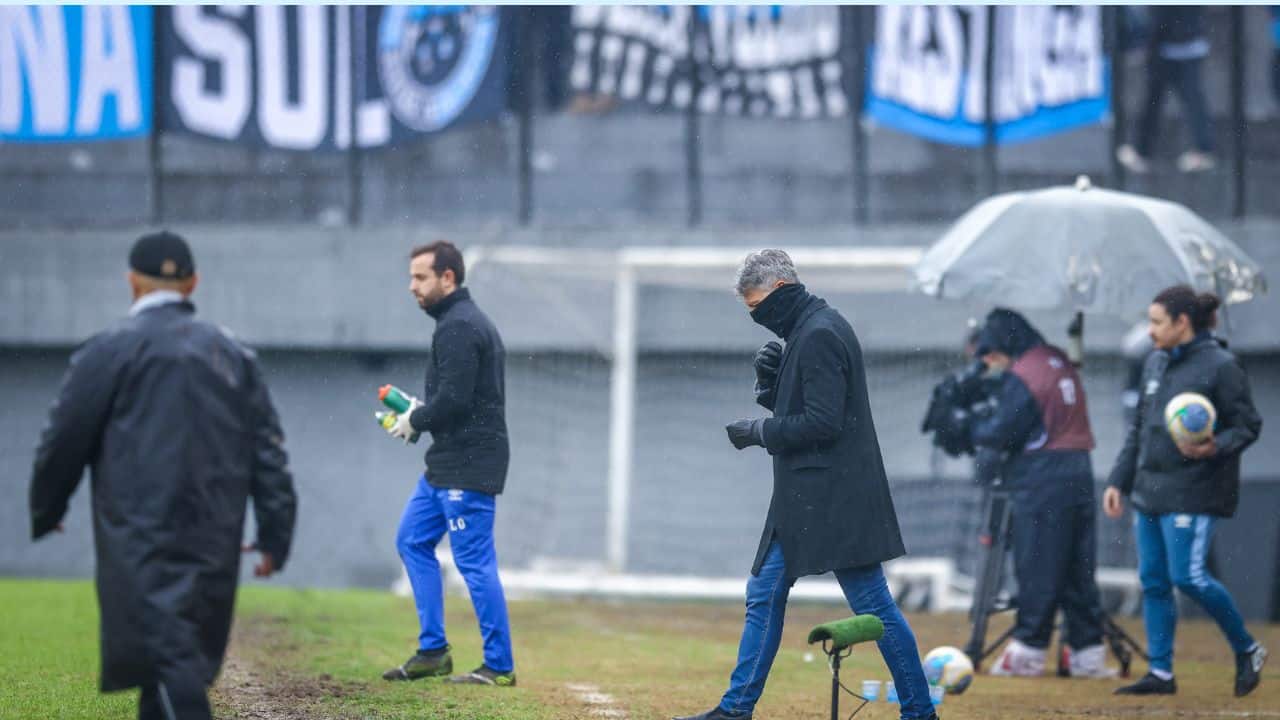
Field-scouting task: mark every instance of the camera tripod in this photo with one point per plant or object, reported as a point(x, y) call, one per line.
point(998, 505)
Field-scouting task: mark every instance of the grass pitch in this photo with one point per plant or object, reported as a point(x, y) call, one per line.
point(318, 654)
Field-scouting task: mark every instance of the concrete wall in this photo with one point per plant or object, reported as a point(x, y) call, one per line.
point(306, 287)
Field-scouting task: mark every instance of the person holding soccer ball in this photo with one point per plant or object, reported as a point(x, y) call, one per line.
point(1179, 490)
point(831, 507)
point(464, 409)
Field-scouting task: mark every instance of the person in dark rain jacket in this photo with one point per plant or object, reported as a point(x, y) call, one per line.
point(174, 419)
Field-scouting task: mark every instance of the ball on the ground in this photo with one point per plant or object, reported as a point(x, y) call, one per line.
point(948, 668)
point(1190, 418)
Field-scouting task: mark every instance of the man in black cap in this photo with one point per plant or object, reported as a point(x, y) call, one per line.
point(174, 419)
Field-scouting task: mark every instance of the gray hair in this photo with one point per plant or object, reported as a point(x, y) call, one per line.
point(763, 269)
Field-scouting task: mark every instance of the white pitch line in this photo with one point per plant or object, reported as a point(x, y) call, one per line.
point(602, 704)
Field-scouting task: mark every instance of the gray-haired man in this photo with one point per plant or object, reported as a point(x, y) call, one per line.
point(831, 509)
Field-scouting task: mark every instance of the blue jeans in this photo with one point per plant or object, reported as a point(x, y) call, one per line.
point(867, 593)
point(468, 518)
point(1172, 552)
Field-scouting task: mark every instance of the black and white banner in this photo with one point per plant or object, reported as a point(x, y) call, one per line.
point(281, 76)
point(762, 60)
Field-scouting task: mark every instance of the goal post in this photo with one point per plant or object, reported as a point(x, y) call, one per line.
point(878, 269)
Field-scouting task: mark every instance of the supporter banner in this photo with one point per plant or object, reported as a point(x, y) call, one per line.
point(281, 76)
point(926, 72)
point(780, 61)
point(74, 73)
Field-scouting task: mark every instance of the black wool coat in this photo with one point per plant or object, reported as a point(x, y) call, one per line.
point(831, 508)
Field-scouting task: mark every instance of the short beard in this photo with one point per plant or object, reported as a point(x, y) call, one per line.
point(429, 301)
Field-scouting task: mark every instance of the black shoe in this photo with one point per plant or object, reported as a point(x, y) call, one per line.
point(1150, 685)
point(716, 713)
point(485, 675)
point(1249, 670)
point(434, 663)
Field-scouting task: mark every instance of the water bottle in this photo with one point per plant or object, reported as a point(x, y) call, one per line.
point(394, 398)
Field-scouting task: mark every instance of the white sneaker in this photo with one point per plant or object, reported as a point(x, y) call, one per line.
point(1131, 160)
point(1019, 660)
point(1196, 161)
point(1089, 662)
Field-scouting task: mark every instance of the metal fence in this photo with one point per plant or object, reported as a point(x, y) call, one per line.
point(543, 166)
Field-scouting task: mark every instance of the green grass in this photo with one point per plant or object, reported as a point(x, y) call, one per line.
point(320, 653)
point(49, 653)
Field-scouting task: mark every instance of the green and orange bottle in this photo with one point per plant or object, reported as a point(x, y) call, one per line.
point(395, 399)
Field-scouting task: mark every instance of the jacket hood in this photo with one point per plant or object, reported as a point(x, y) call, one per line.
point(1008, 332)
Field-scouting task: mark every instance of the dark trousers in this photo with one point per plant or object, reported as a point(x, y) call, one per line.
point(175, 698)
point(1055, 555)
point(1183, 76)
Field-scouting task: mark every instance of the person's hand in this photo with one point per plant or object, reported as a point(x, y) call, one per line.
point(1199, 451)
point(987, 463)
point(745, 433)
point(266, 566)
point(403, 428)
point(767, 361)
point(1112, 502)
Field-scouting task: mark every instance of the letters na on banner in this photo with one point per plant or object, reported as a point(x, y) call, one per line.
point(282, 76)
point(762, 60)
point(72, 73)
point(926, 74)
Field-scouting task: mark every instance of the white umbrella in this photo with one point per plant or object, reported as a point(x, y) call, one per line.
point(1083, 249)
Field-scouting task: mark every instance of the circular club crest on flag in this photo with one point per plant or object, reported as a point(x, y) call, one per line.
point(432, 60)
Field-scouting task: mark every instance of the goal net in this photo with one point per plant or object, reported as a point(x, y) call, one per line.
point(624, 367)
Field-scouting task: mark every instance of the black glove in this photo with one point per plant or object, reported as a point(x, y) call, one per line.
point(767, 361)
point(745, 433)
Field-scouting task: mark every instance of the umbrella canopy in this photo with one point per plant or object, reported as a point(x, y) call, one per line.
point(1083, 249)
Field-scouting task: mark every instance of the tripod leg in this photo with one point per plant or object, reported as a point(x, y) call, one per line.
point(1122, 645)
point(1064, 661)
point(988, 582)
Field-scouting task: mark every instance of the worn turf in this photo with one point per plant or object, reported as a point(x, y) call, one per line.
point(319, 654)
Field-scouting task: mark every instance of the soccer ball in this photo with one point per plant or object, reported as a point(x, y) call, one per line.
point(1190, 418)
point(948, 668)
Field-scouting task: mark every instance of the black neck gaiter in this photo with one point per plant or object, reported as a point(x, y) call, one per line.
point(778, 312)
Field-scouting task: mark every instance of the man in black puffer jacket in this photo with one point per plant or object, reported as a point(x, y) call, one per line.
point(464, 409)
point(1179, 491)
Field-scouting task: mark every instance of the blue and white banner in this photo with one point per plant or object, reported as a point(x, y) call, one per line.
point(926, 74)
point(72, 73)
point(287, 76)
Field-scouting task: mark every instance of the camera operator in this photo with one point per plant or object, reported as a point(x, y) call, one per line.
point(1036, 437)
